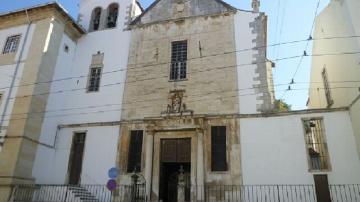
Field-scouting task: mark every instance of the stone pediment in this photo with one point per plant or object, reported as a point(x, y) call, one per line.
point(162, 10)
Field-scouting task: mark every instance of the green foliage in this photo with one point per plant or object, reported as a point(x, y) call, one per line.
point(281, 106)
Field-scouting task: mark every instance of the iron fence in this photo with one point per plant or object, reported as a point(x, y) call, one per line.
point(271, 193)
point(78, 193)
point(208, 193)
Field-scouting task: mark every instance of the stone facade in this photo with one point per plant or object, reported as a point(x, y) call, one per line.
point(210, 88)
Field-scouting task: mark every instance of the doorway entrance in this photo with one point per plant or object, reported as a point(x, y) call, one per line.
point(76, 158)
point(175, 161)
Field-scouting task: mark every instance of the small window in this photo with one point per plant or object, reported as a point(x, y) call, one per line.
point(66, 48)
point(11, 44)
point(178, 60)
point(95, 20)
point(1, 96)
point(218, 148)
point(316, 146)
point(94, 79)
point(135, 150)
point(113, 11)
point(328, 96)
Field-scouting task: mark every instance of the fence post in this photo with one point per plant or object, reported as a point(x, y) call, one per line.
point(12, 193)
point(278, 192)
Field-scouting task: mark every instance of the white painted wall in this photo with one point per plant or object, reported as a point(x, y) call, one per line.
point(246, 73)
point(355, 119)
point(273, 150)
point(338, 19)
point(76, 106)
point(7, 71)
point(99, 156)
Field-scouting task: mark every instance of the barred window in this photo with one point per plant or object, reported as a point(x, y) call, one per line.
point(328, 96)
point(11, 44)
point(178, 60)
point(94, 79)
point(218, 148)
point(316, 145)
point(135, 150)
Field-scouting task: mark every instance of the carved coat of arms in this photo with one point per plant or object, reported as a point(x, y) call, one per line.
point(176, 104)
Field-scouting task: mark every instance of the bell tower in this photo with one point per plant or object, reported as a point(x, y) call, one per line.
point(98, 15)
point(255, 5)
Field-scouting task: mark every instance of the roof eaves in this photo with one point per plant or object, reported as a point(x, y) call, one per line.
point(53, 3)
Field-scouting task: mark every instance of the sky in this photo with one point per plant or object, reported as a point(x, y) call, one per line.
point(288, 20)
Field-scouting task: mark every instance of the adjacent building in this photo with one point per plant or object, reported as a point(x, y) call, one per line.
point(335, 72)
point(33, 42)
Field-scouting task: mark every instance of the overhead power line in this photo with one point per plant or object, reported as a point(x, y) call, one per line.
point(157, 77)
point(305, 49)
point(145, 65)
point(220, 92)
point(144, 107)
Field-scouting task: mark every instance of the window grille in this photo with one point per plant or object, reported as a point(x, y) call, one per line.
point(328, 96)
point(11, 44)
point(218, 148)
point(316, 145)
point(135, 150)
point(94, 79)
point(178, 60)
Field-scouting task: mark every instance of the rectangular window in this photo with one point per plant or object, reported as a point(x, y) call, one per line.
point(316, 146)
point(1, 96)
point(328, 96)
point(135, 150)
point(11, 44)
point(94, 79)
point(218, 148)
point(178, 60)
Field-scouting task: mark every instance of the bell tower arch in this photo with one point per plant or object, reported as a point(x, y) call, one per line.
point(98, 15)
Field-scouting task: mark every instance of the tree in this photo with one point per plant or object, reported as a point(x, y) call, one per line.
point(281, 106)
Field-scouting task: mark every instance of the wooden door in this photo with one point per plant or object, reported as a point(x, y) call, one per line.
point(322, 188)
point(76, 158)
point(176, 150)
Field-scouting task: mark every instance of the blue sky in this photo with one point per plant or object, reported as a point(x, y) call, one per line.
point(288, 20)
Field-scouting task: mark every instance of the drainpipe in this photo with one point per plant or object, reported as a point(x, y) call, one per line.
point(15, 72)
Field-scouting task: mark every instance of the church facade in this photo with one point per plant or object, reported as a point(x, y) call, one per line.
point(183, 89)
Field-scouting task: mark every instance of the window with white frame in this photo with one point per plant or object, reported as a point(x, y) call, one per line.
point(94, 79)
point(178, 60)
point(316, 146)
point(11, 44)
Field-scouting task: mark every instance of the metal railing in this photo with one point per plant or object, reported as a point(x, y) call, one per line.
point(208, 193)
point(271, 193)
point(77, 193)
